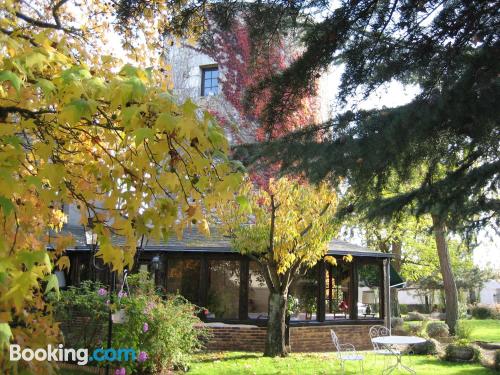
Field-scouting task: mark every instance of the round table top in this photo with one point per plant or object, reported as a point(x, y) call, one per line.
point(398, 340)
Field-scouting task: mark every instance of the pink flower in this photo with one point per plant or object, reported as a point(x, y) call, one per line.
point(108, 302)
point(122, 294)
point(142, 356)
point(102, 292)
point(145, 327)
point(121, 371)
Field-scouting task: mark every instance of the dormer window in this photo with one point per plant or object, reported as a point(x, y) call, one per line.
point(209, 81)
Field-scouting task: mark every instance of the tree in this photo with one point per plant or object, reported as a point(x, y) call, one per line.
point(78, 127)
point(444, 143)
point(286, 229)
point(422, 268)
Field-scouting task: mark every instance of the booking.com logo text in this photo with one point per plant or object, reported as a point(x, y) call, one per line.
point(61, 354)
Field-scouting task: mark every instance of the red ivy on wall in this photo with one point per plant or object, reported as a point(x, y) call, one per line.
point(243, 65)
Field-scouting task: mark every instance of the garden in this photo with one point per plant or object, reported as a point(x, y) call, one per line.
point(166, 332)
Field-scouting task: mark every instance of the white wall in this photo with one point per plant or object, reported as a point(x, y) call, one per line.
point(410, 297)
point(490, 293)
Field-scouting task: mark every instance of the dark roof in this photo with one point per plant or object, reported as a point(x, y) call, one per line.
point(194, 241)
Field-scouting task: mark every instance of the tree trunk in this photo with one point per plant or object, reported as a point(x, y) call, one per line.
point(396, 250)
point(276, 325)
point(450, 288)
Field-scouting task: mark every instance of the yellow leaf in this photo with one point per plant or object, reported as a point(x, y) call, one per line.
point(63, 263)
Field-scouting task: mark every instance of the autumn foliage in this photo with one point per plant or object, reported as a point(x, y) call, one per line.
point(244, 64)
point(80, 127)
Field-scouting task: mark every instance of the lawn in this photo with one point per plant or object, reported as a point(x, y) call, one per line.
point(228, 363)
point(484, 330)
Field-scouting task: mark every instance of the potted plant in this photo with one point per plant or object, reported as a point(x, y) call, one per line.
point(461, 351)
point(310, 307)
point(292, 306)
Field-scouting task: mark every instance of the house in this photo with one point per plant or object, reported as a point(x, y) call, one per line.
point(350, 297)
point(490, 293)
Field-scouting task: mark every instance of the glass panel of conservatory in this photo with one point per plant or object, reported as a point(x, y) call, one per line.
point(258, 293)
point(303, 296)
point(223, 289)
point(369, 290)
point(183, 277)
point(337, 290)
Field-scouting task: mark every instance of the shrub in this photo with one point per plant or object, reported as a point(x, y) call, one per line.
point(437, 329)
point(429, 347)
point(403, 309)
point(83, 314)
point(396, 322)
point(462, 351)
point(482, 312)
point(414, 315)
point(463, 331)
point(414, 328)
point(165, 330)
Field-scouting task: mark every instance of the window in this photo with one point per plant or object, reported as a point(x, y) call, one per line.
point(223, 289)
point(303, 296)
point(209, 81)
point(369, 290)
point(337, 290)
point(258, 293)
point(183, 277)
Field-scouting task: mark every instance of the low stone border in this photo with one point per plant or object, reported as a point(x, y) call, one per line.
point(488, 345)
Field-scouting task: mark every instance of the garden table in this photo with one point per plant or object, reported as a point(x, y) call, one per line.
point(390, 341)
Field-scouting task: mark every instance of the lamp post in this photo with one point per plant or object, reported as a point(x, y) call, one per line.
point(91, 240)
point(155, 265)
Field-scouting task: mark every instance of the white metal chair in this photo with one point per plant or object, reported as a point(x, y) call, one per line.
point(346, 352)
point(380, 350)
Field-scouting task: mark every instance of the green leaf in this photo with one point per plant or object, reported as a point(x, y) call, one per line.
point(7, 75)
point(34, 180)
point(128, 71)
point(244, 204)
point(46, 86)
point(75, 73)
point(141, 134)
point(30, 258)
point(215, 135)
point(76, 110)
point(166, 121)
point(52, 284)
point(6, 205)
point(189, 107)
point(5, 334)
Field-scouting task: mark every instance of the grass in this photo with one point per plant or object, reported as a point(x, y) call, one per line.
point(484, 330)
point(229, 363)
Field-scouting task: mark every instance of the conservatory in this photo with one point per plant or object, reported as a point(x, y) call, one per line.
point(233, 294)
